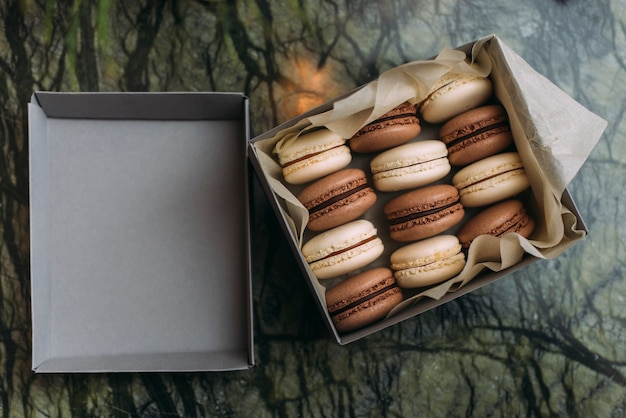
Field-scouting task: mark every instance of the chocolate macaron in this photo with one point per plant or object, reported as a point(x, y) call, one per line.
point(363, 299)
point(337, 198)
point(396, 127)
point(498, 220)
point(476, 134)
point(423, 212)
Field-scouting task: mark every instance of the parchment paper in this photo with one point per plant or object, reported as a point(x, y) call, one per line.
point(553, 134)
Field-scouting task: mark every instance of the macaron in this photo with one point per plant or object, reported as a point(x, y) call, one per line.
point(476, 134)
point(337, 198)
point(396, 127)
point(343, 249)
point(363, 299)
point(491, 179)
point(423, 212)
point(410, 165)
point(428, 262)
point(453, 94)
point(498, 220)
point(313, 155)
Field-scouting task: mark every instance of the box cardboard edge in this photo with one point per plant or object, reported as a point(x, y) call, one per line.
point(39, 109)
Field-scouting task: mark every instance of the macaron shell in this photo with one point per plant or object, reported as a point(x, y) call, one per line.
point(464, 92)
point(371, 311)
point(432, 273)
point(502, 218)
point(401, 132)
point(491, 179)
point(484, 145)
point(343, 249)
point(411, 177)
point(425, 252)
point(396, 127)
point(311, 142)
point(410, 165)
point(348, 261)
point(425, 204)
point(354, 296)
point(478, 133)
point(427, 262)
point(317, 166)
point(337, 198)
point(495, 189)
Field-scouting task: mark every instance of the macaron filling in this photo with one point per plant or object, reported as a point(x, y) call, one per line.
point(498, 170)
point(403, 114)
point(312, 208)
point(470, 188)
point(417, 268)
point(388, 169)
point(346, 249)
point(494, 129)
point(345, 260)
point(432, 273)
point(517, 222)
point(406, 118)
point(447, 80)
point(332, 256)
point(430, 259)
point(365, 296)
point(314, 154)
point(393, 220)
point(443, 82)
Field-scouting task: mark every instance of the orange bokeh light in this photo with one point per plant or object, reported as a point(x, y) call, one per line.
point(304, 86)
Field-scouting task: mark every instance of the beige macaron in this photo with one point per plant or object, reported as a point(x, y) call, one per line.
point(453, 94)
point(343, 249)
point(313, 155)
point(428, 262)
point(491, 179)
point(410, 165)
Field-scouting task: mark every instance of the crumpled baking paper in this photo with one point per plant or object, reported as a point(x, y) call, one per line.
point(553, 134)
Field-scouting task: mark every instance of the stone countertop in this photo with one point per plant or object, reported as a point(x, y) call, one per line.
point(550, 340)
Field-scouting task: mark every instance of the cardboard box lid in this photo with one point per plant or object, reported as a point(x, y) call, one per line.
point(140, 255)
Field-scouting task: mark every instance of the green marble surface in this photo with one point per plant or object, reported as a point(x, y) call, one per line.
point(549, 340)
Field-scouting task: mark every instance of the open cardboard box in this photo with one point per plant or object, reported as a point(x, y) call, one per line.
point(553, 134)
point(140, 256)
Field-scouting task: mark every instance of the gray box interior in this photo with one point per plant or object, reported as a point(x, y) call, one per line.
point(140, 232)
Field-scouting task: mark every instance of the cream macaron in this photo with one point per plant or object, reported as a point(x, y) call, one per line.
point(410, 165)
point(453, 94)
point(313, 155)
point(491, 179)
point(428, 262)
point(343, 249)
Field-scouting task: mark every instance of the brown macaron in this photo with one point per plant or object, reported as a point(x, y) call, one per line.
point(423, 212)
point(337, 198)
point(396, 127)
point(363, 299)
point(498, 220)
point(476, 134)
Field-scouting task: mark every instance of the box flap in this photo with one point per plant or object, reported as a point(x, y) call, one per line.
point(151, 106)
